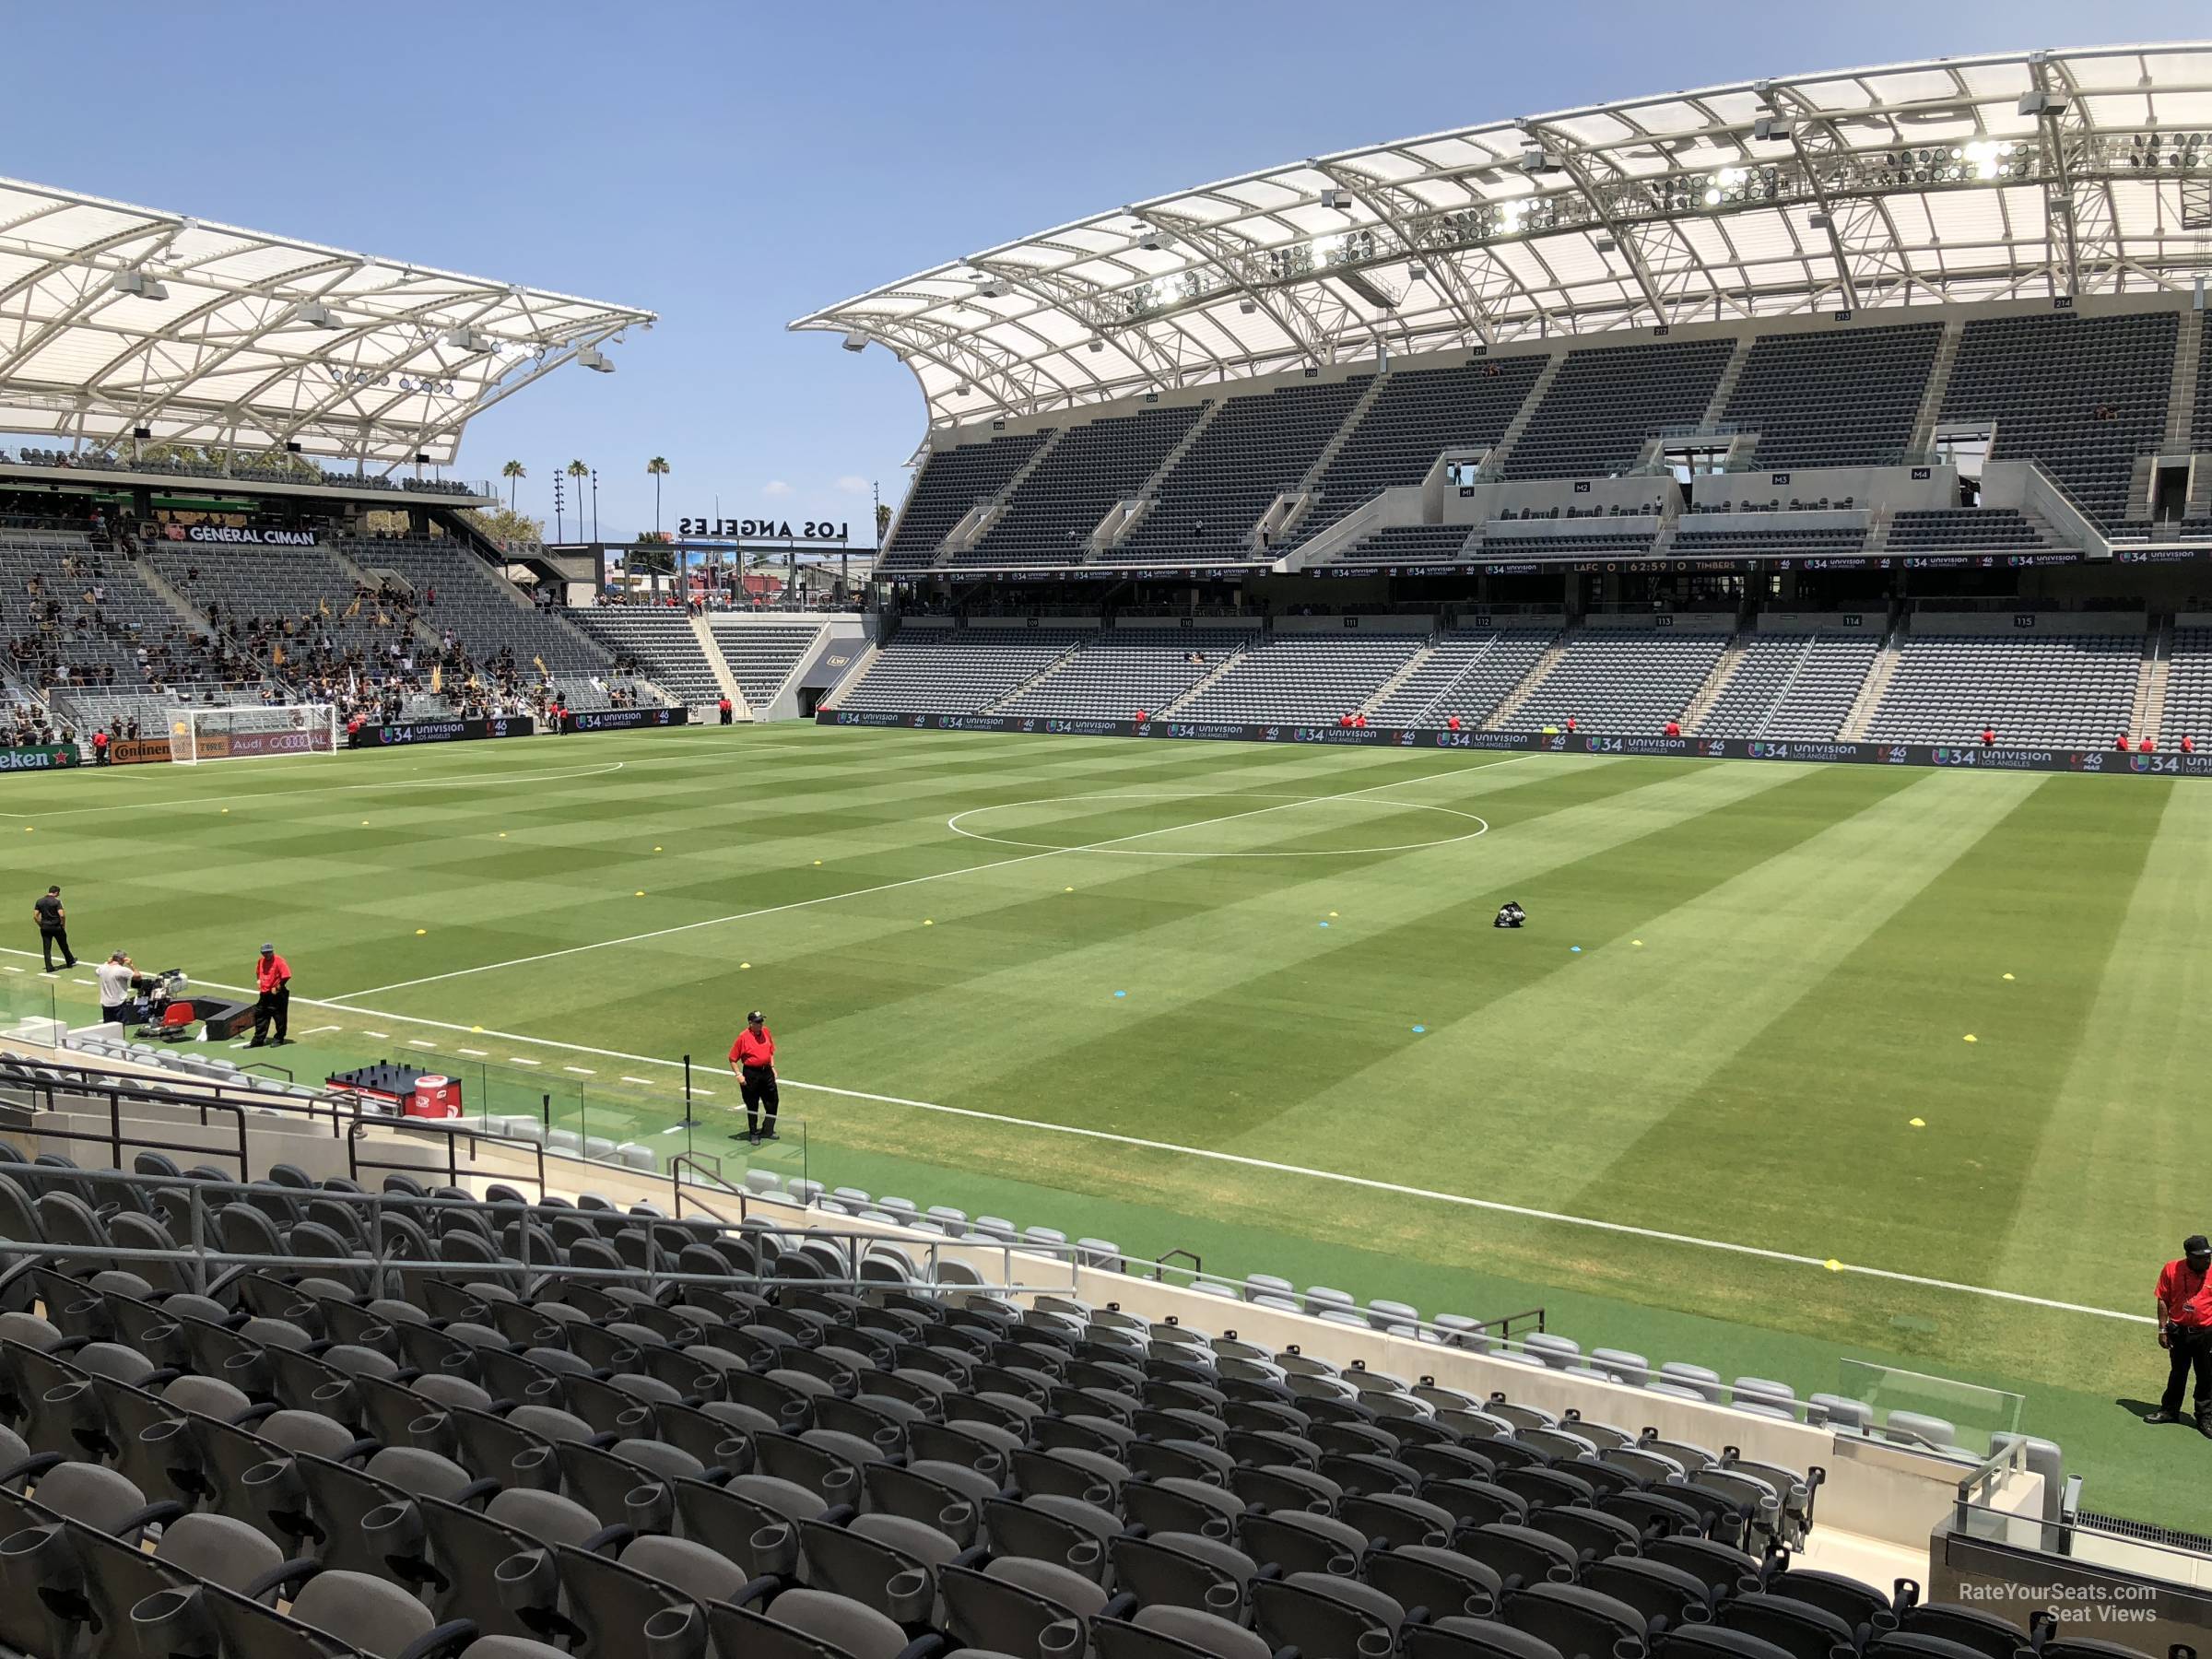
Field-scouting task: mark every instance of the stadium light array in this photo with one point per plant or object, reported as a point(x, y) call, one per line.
point(138, 285)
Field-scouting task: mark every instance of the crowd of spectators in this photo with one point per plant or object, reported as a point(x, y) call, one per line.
point(32, 725)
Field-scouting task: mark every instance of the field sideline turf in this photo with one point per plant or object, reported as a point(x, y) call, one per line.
point(1779, 969)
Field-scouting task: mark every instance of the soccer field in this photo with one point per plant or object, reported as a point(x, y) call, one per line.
point(1677, 1111)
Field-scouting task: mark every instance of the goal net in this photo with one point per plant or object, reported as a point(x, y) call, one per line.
point(248, 731)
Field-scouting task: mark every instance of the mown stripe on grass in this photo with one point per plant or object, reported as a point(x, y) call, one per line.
point(2124, 1137)
point(1538, 1094)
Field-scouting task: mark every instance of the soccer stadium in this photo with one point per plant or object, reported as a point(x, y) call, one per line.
point(1475, 934)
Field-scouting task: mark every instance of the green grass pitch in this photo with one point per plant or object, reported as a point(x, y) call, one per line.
point(1285, 955)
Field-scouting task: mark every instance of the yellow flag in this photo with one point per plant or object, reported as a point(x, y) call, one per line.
point(540, 662)
point(323, 607)
point(437, 678)
point(276, 656)
point(355, 609)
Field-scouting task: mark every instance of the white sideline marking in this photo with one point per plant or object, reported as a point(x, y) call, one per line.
point(996, 863)
point(385, 1036)
point(418, 1042)
point(582, 1071)
point(646, 1081)
point(475, 1053)
point(1339, 1176)
point(12, 969)
point(552, 775)
point(520, 1060)
point(311, 1031)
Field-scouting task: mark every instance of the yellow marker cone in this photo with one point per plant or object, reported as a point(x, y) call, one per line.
point(364, 823)
point(927, 923)
point(1332, 916)
point(502, 835)
point(639, 894)
point(1638, 943)
point(1067, 890)
point(420, 931)
point(226, 809)
point(745, 964)
point(1971, 1038)
point(1919, 1122)
point(656, 849)
point(2009, 976)
point(1832, 1264)
point(27, 828)
point(476, 1028)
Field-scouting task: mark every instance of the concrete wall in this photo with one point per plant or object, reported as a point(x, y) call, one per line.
point(1504, 533)
point(2013, 623)
point(1487, 620)
point(1681, 622)
point(1875, 622)
point(1242, 624)
point(1899, 487)
point(1784, 523)
point(1480, 503)
point(1366, 625)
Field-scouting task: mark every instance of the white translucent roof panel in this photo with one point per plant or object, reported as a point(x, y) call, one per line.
point(2067, 172)
point(116, 319)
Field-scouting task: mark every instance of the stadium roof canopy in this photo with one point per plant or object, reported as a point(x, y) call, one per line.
point(2066, 172)
point(116, 319)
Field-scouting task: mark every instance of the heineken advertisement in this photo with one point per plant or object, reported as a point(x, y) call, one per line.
point(43, 756)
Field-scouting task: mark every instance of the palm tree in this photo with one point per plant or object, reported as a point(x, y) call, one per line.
point(578, 471)
point(657, 469)
point(513, 472)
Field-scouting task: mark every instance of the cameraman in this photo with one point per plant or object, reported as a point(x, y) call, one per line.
point(114, 977)
point(2184, 1301)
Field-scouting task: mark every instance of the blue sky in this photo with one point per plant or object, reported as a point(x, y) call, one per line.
point(733, 166)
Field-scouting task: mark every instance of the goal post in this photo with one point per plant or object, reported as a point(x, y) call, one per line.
point(252, 731)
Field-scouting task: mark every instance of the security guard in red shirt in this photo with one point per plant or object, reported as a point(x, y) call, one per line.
point(2185, 1332)
point(273, 980)
point(753, 1060)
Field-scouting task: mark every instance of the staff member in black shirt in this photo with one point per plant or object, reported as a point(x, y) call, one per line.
point(53, 928)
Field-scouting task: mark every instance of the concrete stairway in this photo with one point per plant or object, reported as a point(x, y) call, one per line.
point(976, 522)
point(1213, 678)
point(1518, 423)
point(1148, 493)
point(724, 679)
point(2180, 402)
point(1390, 685)
point(2151, 680)
point(1039, 677)
point(1554, 655)
point(1724, 388)
point(1939, 382)
point(1869, 698)
point(1732, 658)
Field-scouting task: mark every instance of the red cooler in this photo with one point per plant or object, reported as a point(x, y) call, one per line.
point(434, 1096)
